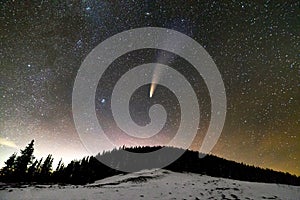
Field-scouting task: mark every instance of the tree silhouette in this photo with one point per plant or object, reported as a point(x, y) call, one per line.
point(25, 169)
point(46, 169)
point(32, 171)
point(59, 165)
point(58, 174)
point(9, 167)
point(24, 160)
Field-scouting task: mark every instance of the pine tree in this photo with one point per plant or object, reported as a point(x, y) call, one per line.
point(38, 167)
point(32, 170)
point(57, 175)
point(24, 160)
point(46, 168)
point(59, 165)
point(9, 167)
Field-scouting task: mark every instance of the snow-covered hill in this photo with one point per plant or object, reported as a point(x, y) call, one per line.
point(157, 184)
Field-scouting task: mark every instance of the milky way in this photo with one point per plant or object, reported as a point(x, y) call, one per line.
point(255, 46)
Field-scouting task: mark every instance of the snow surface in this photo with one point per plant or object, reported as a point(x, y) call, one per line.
point(156, 184)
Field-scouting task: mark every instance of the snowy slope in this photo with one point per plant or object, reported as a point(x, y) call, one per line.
point(157, 184)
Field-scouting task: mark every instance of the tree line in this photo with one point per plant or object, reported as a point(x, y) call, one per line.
point(25, 168)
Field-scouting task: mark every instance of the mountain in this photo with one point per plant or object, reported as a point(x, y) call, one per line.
point(89, 169)
point(209, 165)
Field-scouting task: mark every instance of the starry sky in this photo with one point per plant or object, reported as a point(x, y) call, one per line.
point(255, 45)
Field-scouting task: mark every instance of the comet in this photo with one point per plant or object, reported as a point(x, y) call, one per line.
point(155, 80)
point(152, 88)
point(164, 58)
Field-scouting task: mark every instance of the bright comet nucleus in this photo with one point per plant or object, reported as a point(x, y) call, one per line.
point(152, 88)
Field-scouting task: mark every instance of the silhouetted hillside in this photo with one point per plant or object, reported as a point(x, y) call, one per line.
point(212, 166)
point(25, 168)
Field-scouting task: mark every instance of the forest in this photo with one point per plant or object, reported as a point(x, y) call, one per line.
point(25, 168)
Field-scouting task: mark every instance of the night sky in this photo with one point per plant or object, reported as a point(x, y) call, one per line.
point(255, 46)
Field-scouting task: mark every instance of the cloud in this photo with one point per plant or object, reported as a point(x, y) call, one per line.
point(7, 143)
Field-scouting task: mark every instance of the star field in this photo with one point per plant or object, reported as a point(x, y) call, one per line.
point(254, 44)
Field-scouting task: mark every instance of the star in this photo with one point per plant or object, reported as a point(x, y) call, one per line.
point(256, 52)
point(103, 101)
